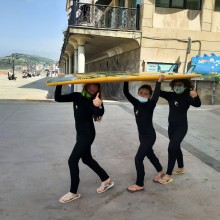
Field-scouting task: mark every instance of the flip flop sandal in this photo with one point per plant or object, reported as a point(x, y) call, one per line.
point(133, 190)
point(69, 198)
point(177, 172)
point(103, 187)
point(166, 181)
point(156, 179)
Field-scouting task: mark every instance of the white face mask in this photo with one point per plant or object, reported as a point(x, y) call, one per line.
point(142, 99)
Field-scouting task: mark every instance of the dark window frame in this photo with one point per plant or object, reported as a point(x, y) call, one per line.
point(217, 8)
point(184, 5)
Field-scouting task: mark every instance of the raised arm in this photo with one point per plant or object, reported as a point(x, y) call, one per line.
point(127, 94)
point(63, 98)
point(156, 92)
point(165, 95)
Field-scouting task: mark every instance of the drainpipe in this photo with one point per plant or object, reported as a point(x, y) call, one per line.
point(138, 17)
point(188, 49)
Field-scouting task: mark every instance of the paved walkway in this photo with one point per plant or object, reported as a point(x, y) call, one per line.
point(33, 88)
point(35, 142)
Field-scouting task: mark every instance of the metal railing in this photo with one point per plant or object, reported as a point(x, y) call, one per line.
point(104, 16)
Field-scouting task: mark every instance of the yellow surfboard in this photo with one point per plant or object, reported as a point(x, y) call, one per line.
point(104, 77)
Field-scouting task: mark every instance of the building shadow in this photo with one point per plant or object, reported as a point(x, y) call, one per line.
point(41, 85)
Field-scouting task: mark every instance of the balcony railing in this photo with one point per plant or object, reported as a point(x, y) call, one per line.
point(103, 16)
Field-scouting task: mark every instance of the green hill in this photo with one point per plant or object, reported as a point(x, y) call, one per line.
point(23, 59)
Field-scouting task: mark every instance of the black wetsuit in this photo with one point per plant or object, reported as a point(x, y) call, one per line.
point(147, 135)
point(83, 113)
point(178, 125)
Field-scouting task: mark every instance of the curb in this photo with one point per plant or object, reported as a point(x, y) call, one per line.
point(28, 100)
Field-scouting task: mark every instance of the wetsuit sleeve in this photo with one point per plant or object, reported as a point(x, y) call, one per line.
point(63, 98)
point(156, 92)
point(99, 111)
point(129, 97)
point(196, 102)
point(165, 95)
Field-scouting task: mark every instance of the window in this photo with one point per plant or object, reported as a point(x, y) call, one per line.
point(177, 4)
point(217, 5)
point(193, 4)
point(162, 3)
point(184, 4)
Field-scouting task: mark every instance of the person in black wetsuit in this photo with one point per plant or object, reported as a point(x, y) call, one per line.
point(87, 107)
point(179, 101)
point(144, 106)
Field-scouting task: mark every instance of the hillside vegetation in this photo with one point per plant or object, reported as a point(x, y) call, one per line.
point(23, 59)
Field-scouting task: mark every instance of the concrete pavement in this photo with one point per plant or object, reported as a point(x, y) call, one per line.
point(37, 138)
point(33, 88)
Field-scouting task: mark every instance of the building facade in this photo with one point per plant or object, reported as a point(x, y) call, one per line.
point(140, 36)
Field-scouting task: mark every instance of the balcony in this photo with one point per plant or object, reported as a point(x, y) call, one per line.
point(104, 16)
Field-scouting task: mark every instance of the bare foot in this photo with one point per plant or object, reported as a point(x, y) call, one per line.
point(158, 176)
point(135, 188)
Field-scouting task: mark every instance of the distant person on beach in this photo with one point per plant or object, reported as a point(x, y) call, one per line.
point(11, 76)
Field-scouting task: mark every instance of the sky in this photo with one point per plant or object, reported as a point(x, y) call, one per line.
point(33, 27)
